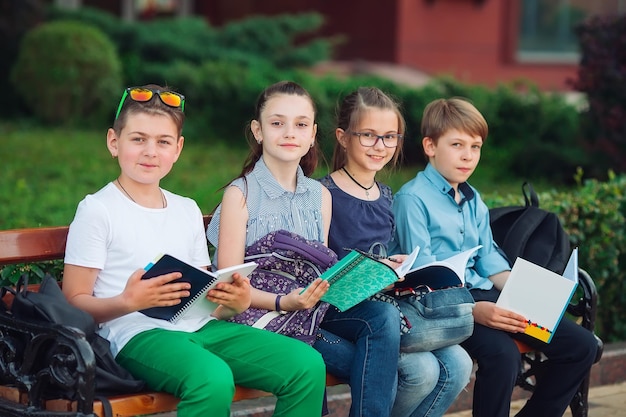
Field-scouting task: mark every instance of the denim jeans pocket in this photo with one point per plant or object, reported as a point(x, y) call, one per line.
point(438, 319)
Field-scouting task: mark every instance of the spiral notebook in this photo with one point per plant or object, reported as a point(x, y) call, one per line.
point(201, 280)
point(354, 278)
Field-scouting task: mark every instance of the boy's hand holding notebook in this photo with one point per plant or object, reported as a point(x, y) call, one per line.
point(201, 280)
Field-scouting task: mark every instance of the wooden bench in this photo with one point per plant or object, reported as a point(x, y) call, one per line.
point(19, 375)
point(22, 375)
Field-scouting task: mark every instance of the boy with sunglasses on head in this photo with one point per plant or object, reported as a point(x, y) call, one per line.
point(442, 214)
point(121, 228)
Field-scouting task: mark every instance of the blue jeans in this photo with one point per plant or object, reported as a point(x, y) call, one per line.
point(429, 382)
point(361, 345)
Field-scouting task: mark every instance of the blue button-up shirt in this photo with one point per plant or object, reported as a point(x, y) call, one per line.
point(428, 216)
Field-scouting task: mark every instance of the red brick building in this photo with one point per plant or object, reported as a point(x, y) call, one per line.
point(476, 41)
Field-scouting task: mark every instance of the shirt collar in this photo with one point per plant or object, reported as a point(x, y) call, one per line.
point(269, 184)
point(444, 186)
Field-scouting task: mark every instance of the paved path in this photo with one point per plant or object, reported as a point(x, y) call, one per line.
point(604, 401)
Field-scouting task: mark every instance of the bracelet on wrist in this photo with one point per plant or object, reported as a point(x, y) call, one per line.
point(277, 305)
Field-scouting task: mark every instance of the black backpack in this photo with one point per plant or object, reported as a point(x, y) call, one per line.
point(531, 233)
point(49, 305)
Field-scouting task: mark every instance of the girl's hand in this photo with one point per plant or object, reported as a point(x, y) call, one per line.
point(311, 296)
point(154, 292)
point(233, 297)
point(394, 261)
point(488, 314)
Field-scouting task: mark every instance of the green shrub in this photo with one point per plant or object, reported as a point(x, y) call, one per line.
point(10, 274)
point(68, 72)
point(278, 41)
point(594, 215)
point(602, 77)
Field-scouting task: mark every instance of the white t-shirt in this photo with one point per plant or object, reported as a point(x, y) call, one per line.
point(117, 236)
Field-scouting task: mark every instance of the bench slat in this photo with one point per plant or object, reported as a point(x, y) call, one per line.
point(32, 245)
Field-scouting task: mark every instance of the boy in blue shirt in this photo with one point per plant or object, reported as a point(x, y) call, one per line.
point(440, 212)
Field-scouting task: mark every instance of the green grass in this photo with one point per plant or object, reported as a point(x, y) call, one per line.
point(45, 172)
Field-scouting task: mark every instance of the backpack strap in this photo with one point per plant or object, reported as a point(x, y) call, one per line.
point(525, 225)
point(107, 409)
point(530, 196)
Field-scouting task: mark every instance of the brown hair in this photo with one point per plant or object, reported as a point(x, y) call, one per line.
point(308, 161)
point(457, 113)
point(349, 114)
point(152, 107)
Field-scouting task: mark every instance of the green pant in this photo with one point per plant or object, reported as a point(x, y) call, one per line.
point(202, 368)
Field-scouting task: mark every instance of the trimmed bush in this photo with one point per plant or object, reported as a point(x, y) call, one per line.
point(68, 73)
point(282, 41)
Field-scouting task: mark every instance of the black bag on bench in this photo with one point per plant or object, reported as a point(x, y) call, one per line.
point(531, 233)
point(50, 305)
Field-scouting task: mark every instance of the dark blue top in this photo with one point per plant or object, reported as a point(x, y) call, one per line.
point(359, 223)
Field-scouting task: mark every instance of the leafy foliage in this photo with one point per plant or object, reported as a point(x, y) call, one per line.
point(602, 76)
point(148, 49)
point(222, 70)
point(274, 38)
point(67, 72)
point(10, 274)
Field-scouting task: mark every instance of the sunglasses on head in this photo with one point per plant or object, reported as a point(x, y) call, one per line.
point(142, 95)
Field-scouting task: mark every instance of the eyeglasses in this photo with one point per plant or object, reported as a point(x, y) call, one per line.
point(142, 95)
point(368, 139)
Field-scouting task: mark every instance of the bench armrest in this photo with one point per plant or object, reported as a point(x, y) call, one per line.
point(42, 358)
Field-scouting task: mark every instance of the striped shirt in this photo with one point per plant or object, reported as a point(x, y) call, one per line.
point(271, 207)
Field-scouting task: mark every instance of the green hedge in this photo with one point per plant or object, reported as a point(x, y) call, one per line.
point(532, 134)
point(222, 70)
point(67, 72)
point(282, 41)
point(594, 215)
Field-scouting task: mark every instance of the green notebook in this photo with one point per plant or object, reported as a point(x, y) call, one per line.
point(355, 278)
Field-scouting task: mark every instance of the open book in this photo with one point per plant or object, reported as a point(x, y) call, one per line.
point(358, 276)
point(435, 275)
point(540, 295)
point(201, 280)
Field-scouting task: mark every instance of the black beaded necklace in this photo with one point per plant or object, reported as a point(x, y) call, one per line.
point(367, 189)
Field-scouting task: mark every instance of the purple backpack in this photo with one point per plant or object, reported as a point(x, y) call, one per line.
point(287, 261)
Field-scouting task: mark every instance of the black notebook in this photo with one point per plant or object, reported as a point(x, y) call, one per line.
point(449, 272)
point(201, 280)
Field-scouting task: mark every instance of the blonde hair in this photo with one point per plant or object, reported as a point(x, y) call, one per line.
point(458, 113)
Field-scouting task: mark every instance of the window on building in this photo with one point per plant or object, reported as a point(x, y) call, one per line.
point(546, 27)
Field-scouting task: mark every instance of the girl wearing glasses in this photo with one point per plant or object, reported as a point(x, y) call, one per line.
point(118, 230)
point(369, 135)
